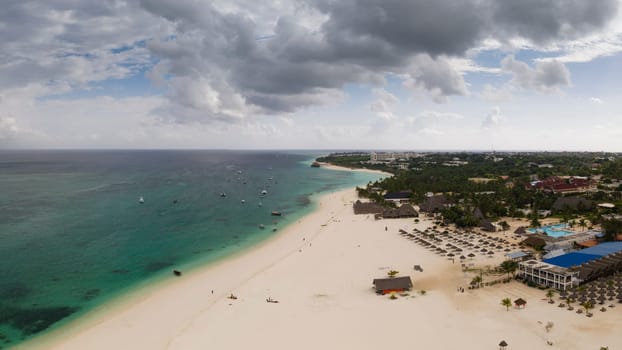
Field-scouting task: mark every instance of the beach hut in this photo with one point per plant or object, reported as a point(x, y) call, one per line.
point(407, 211)
point(520, 302)
point(395, 284)
point(488, 226)
point(520, 231)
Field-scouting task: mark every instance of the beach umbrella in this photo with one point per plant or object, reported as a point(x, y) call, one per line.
point(503, 344)
point(507, 249)
point(484, 250)
point(462, 257)
point(491, 253)
point(471, 255)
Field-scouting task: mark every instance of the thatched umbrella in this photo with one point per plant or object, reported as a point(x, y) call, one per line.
point(491, 253)
point(471, 255)
point(450, 255)
point(462, 257)
point(503, 345)
point(507, 250)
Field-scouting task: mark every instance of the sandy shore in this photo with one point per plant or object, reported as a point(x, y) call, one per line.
point(337, 167)
point(320, 269)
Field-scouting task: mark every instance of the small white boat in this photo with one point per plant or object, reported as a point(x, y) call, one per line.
point(222, 194)
point(243, 201)
point(264, 192)
point(141, 200)
point(260, 204)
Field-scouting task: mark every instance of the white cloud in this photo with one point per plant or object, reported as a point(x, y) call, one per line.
point(493, 119)
point(496, 94)
point(596, 100)
point(545, 76)
point(383, 104)
point(429, 121)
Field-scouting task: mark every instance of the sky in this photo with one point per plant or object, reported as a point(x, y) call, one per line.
point(314, 74)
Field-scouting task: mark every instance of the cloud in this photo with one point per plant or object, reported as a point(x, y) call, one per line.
point(545, 76)
point(493, 119)
point(437, 77)
point(433, 120)
point(228, 61)
point(496, 94)
point(8, 128)
point(596, 100)
point(383, 104)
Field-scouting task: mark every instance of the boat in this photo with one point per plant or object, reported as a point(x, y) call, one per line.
point(264, 192)
point(260, 204)
point(262, 226)
point(177, 272)
point(243, 201)
point(222, 194)
point(276, 213)
point(141, 200)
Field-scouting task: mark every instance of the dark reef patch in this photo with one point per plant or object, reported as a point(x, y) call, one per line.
point(31, 321)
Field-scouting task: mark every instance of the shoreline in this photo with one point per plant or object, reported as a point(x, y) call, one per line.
point(342, 168)
point(268, 252)
point(145, 289)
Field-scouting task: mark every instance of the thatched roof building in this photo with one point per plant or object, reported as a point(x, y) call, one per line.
point(367, 208)
point(407, 211)
point(434, 204)
point(572, 203)
point(534, 242)
point(520, 302)
point(395, 284)
point(488, 226)
point(520, 230)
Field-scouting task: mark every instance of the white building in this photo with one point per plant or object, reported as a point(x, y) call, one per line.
point(544, 274)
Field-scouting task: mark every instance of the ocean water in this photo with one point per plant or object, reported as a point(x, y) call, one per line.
point(73, 234)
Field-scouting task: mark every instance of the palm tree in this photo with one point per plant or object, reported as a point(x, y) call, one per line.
point(392, 273)
point(507, 302)
point(509, 266)
point(476, 281)
point(583, 224)
point(587, 306)
point(550, 294)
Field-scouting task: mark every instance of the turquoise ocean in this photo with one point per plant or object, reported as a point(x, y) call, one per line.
point(74, 235)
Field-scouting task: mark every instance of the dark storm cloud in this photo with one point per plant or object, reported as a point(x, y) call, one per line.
point(213, 65)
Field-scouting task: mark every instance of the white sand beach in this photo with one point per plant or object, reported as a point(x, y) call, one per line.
point(320, 270)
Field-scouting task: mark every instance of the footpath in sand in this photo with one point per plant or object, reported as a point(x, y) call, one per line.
point(320, 270)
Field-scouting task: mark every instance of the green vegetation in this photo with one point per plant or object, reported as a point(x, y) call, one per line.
point(502, 184)
point(509, 267)
point(507, 303)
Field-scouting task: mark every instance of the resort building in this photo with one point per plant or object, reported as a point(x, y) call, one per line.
point(398, 197)
point(545, 274)
point(567, 270)
point(367, 208)
point(394, 284)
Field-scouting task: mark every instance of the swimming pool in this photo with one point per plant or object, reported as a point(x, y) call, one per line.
point(556, 230)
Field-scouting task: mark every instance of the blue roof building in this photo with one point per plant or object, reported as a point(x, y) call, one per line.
point(582, 256)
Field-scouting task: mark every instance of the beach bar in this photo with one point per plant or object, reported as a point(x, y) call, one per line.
point(390, 285)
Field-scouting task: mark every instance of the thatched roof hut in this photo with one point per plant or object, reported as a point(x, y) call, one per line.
point(534, 242)
point(407, 211)
point(395, 284)
point(520, 230)
point(488, 226)
point(367, 208)
point(434, 204)
point(520, 302)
